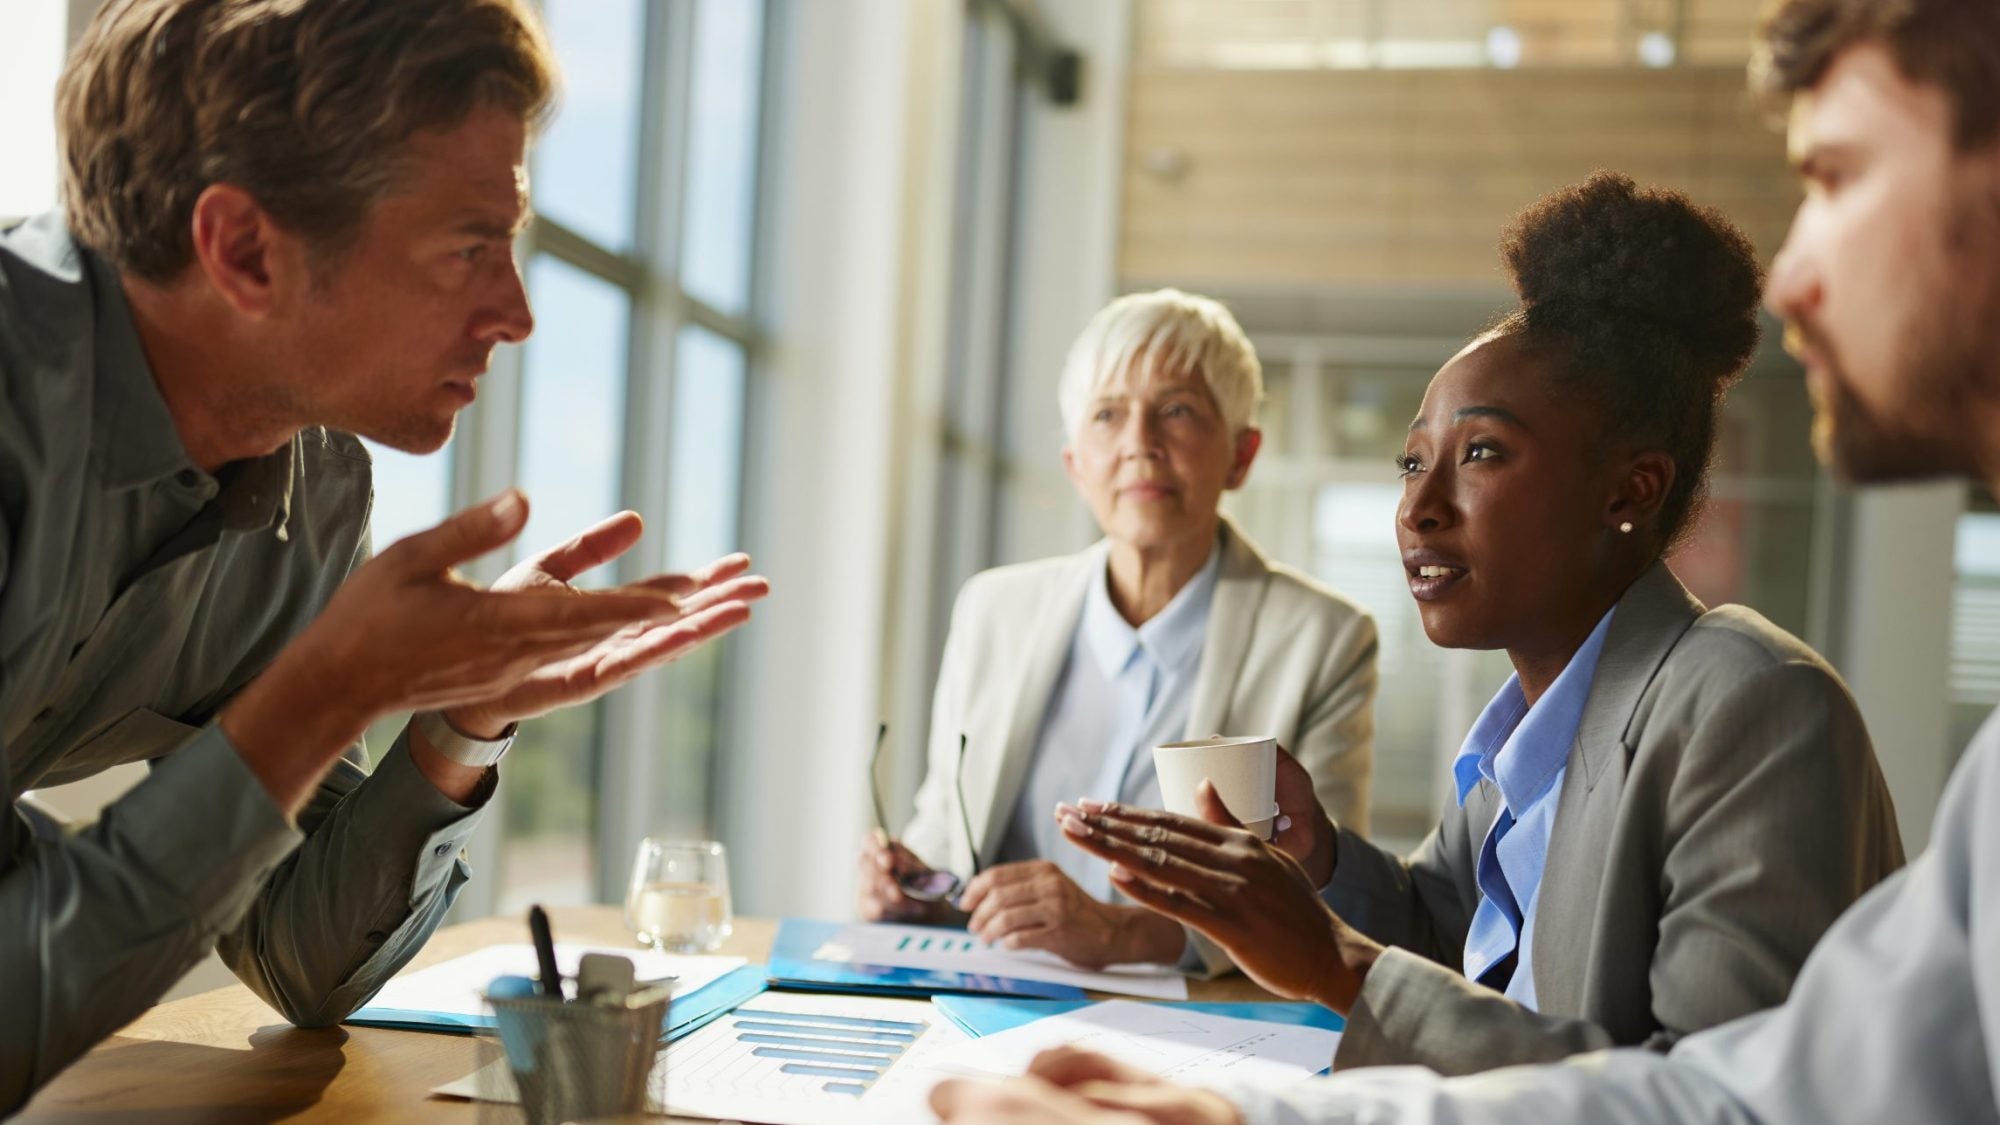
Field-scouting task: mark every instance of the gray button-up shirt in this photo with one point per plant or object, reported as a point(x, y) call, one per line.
point(137, 594)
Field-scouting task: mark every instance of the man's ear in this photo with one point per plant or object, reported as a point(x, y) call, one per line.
point(1248, 442)
point(240, 250)
point(1642, 489)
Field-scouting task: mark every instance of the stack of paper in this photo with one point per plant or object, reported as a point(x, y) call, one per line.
point(451, 995)
point(933, 959)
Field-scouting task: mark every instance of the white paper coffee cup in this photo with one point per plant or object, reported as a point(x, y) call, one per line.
point(1244, 770)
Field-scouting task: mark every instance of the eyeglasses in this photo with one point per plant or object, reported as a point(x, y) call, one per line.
point(928, 885)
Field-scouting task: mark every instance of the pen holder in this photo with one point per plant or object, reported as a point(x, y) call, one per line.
point(572, 1061)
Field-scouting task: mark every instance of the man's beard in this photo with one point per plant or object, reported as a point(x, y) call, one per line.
point(1939, 379)
point(1924, 437)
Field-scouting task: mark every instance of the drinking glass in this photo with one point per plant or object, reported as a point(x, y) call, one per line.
point(679, 899)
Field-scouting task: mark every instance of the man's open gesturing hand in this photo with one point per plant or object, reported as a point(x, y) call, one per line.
point(712, 601)
point(407, 632)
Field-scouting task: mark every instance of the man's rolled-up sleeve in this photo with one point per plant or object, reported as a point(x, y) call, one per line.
point(380, 865)
point(96, 926)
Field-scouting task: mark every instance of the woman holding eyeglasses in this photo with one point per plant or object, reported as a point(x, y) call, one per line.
point(1060, 676)
point(1664, 808)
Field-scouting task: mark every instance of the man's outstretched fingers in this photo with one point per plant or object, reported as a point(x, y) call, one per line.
point(728, 566)
point(556, 614)
point(462, 537)
point(662, 643)
point(592, 547)
point(747, 589)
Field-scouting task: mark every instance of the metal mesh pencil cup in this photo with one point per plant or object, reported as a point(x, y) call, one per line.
point(578, 1060)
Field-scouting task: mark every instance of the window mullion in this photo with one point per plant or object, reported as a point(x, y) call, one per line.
point(632, 718)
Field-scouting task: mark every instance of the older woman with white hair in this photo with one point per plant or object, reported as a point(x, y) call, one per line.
point(1061, 675)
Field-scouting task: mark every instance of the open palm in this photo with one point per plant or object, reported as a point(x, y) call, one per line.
point(712, 600)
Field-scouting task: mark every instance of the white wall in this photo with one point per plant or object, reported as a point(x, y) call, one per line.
point(849, 406)
point(1066, 269)
point(31, 54)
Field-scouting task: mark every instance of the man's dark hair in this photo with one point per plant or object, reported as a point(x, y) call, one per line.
point(1646, 307)
point(1951, 44)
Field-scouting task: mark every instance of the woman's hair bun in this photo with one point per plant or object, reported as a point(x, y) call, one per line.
point(1609, 255)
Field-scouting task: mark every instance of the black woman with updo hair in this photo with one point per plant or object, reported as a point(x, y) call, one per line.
point(1666, 805)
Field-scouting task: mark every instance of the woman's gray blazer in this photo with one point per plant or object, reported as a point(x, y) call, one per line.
point(1721, 806)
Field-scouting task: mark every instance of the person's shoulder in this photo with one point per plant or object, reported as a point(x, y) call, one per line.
point(1736, 641)
point(1008, 589)
point(45, 301)
point(1313, 612)
point(1733, 657)
point(1295, 593)
point(332, 489)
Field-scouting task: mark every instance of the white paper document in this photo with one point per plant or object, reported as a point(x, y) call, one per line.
point(926, 947)
point(807, 1059)
point(790, 1059)
point(458, 986)
point(1191, 1047)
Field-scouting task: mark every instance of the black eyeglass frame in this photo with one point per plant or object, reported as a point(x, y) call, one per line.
point(924, 886)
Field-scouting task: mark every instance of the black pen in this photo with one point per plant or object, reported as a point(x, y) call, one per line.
point(545, 951)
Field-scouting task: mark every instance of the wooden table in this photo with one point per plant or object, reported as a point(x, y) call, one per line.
point(225, 1056)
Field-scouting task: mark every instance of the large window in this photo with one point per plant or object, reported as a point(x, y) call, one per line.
point(573, 375)
point(632, 394)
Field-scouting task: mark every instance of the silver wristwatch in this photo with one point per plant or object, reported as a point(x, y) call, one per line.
point(459, 747)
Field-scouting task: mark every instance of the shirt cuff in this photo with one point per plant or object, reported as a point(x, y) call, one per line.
point(399, 810)
point(204, 825)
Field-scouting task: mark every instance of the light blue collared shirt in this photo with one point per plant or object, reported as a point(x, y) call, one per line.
point(1525, 752)
point(1121, 692)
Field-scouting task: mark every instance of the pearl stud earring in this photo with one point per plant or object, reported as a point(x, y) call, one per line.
point(1626, 527)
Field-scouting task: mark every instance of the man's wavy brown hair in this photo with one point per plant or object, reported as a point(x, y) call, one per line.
point(1951, 44)
point(305, 104)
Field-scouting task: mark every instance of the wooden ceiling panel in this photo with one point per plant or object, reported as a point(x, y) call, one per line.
point(1334, 177)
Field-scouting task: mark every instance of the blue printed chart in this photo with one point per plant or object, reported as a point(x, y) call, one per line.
point(845, 1054)
point(942, 943)
point(809, 1059)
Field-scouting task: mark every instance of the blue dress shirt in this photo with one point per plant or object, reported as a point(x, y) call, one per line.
point(1122, 691)
point(1525, 752)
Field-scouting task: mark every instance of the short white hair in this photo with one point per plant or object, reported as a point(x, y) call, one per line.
point(1175, 331)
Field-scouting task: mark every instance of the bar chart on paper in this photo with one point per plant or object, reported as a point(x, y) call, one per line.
point(840, 1054)
point(944, 943)
point(809, 1060)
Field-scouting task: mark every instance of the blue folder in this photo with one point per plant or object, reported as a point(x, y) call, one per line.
point(794, 967)
point(985, 1015)
point(685, 1014)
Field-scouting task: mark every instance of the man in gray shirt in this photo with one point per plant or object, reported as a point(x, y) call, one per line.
point(1889, 282)
point(285, 222)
